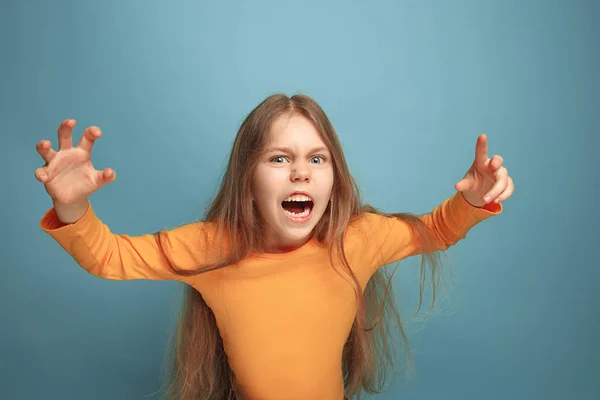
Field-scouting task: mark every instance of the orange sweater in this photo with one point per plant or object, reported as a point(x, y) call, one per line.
point(284, 318)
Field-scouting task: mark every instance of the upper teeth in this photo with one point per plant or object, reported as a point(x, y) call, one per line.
point(298, 197)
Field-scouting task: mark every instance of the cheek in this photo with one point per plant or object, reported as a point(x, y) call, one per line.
point(265, 186)
point(269, 177)
point(259, 179)
point(325, 182)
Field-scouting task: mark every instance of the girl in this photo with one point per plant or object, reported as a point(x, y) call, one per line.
point(286, 297)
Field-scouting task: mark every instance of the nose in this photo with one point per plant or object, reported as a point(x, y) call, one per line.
point(300, 173)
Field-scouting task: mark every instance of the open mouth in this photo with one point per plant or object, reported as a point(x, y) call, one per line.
point(297, 207)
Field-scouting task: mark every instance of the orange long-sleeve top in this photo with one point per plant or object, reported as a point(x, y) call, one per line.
point(284, 318)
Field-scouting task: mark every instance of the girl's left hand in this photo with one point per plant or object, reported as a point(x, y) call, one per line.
point(487, 180)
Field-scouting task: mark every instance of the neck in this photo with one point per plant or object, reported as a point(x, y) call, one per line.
point(279, 245)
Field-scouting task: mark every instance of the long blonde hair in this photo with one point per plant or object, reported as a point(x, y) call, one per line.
point(199, 369)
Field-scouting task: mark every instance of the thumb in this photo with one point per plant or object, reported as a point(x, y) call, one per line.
point(464, 185)
point(106, 176)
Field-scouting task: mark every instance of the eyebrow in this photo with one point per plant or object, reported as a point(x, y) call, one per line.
point(289, 150)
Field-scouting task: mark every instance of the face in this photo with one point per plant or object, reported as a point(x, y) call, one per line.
point(292, 182)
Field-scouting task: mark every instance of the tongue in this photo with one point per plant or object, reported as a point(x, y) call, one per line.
point(294, 206)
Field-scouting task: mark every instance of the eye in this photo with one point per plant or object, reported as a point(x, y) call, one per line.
point(278, 159)
point(320, 160)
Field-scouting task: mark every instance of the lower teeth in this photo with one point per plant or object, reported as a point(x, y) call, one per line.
point(293, 214)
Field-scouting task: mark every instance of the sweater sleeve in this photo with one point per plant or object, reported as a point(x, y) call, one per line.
point(122, 257)
point(378, 240)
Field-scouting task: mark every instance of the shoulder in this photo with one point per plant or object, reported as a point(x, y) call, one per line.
point(191, 230)
point(195, 242)
point(373, 237)
point(373, 225)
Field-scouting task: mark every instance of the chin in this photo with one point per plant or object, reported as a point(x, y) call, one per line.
point(292, 231)
point(296, 235)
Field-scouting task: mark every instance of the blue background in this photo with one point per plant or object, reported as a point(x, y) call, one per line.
point(408, 85)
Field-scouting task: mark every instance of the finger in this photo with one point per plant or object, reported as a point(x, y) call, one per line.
point(500, 185)
point(496, 162)
point(65, 134)
point(507, 192)
point(88, 137)
point(106, 176)
point(481, 150)
point(44, 148)
point(41, 174)
point(464, 185)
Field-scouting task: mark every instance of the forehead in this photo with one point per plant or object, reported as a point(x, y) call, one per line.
point(295, 131)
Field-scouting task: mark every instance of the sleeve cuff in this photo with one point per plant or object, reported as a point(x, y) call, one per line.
point(488, 209)
point(50, 221)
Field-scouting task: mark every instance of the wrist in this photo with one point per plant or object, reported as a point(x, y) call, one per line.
point(70, 213)
point(473, 200)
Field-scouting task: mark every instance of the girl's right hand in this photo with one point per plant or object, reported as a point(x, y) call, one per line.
point(68, 175)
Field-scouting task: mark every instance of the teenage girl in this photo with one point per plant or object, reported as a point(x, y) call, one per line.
point(285, 294)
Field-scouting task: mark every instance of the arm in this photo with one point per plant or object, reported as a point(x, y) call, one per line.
point(122, 257)
point(479, 195)
point(70, 179)
point(377, 240)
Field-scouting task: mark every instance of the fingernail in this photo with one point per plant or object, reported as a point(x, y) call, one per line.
point(486, 199)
